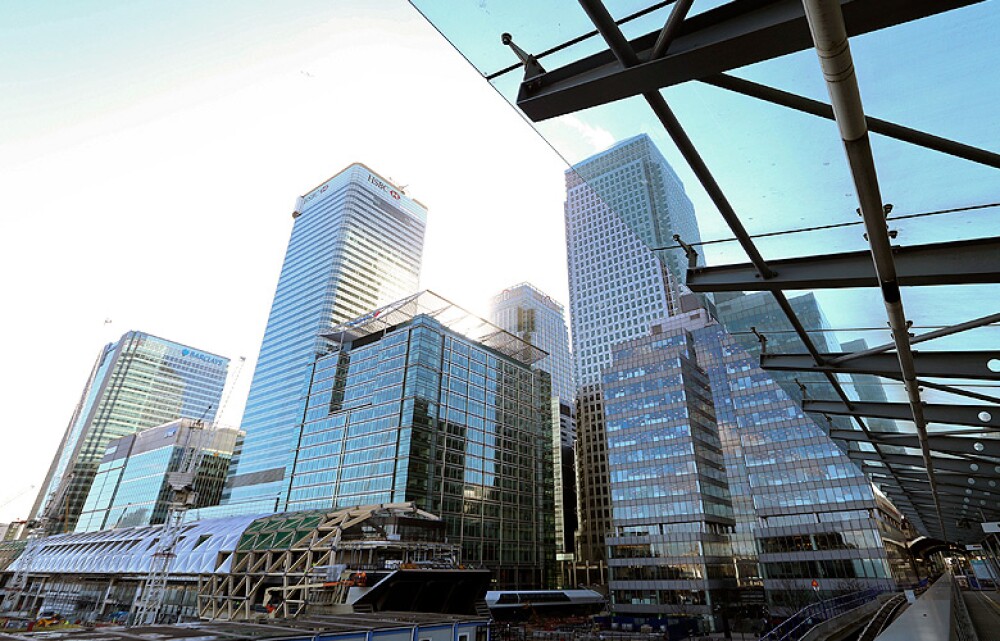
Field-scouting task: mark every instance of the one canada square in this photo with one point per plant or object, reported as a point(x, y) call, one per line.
point(356, 245)
point(619, 204)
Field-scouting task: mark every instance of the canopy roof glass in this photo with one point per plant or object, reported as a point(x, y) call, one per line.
point(767, 172)
point(453, 317)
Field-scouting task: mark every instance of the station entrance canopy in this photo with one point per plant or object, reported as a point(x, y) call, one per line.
point(866, 174)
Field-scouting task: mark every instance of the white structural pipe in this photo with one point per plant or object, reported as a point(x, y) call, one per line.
point(826, 23)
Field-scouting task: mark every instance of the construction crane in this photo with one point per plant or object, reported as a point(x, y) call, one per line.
point(17, 496)
point(37, 530)
point(149, 602)
point(229, 391)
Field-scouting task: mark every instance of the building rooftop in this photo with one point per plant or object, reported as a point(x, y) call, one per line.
point(450, 315)
point(539, 295)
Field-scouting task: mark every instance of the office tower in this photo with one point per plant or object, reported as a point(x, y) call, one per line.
point(355, 245)
point(801, 510)
point(619, 204)
point(130, 487)
point(529, 313)
point(634, 180)
point(422, 401)
point(672, 509)
point(533, 316)
point(137, 382)
point(869, 388)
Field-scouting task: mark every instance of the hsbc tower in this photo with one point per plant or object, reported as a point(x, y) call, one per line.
point(356, 245)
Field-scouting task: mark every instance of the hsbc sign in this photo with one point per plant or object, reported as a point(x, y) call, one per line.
point(378, 184)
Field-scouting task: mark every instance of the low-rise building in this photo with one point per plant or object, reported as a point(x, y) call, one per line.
point(131, 488)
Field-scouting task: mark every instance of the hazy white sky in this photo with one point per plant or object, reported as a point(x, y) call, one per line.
point(152, 152)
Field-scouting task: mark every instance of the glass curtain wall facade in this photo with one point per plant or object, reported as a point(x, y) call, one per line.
point(422, 413)
point(139, 381)
point(619, 203)
point(532, 315)
point(739, 312)
point(356, 244)
point(131, 489)
point(672, 510)
point(809, 511)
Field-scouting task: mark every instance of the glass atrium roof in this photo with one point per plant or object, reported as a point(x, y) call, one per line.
point(453, 317)
point(767, 172)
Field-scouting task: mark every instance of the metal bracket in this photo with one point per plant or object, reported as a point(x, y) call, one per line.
point(689, 251)
point(532, 68)
point(761, 338)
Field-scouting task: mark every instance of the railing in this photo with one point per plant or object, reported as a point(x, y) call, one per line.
point(796, 626)
point(881, 618)
point(961, 622)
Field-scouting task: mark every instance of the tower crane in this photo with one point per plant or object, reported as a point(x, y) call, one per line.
point(149, 602)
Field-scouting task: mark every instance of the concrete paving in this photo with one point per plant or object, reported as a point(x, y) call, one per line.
point(929, 619)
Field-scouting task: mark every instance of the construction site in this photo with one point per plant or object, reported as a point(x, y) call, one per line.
point(245, 568)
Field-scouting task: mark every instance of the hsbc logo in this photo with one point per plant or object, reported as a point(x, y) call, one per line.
point(383, 186)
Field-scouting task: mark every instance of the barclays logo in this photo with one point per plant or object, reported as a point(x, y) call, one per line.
point(203, 357)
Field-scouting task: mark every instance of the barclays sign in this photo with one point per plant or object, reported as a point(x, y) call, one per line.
point(214, 360)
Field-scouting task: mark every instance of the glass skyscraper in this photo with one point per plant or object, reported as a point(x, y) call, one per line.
point(130, 488)
point(620, 203)
point(672, 509)
point(532, 315)
point(356, 245)
point(421, 401)
point(799, 509)
point(137, 382)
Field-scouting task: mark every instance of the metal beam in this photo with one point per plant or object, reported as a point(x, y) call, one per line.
point(957, 391)
point(951, 263)
point(876, 125)
point(923, 338)
point(921, 497)
point(974, 415)
point(953, 481)
point(734, 35)
point(971, 365)
point(984, 467)
point(943, 444)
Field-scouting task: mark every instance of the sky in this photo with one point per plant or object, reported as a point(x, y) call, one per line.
point(151, 154)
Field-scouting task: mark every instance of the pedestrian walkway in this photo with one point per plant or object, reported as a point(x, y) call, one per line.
point(929, 619)
point(984, 610)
